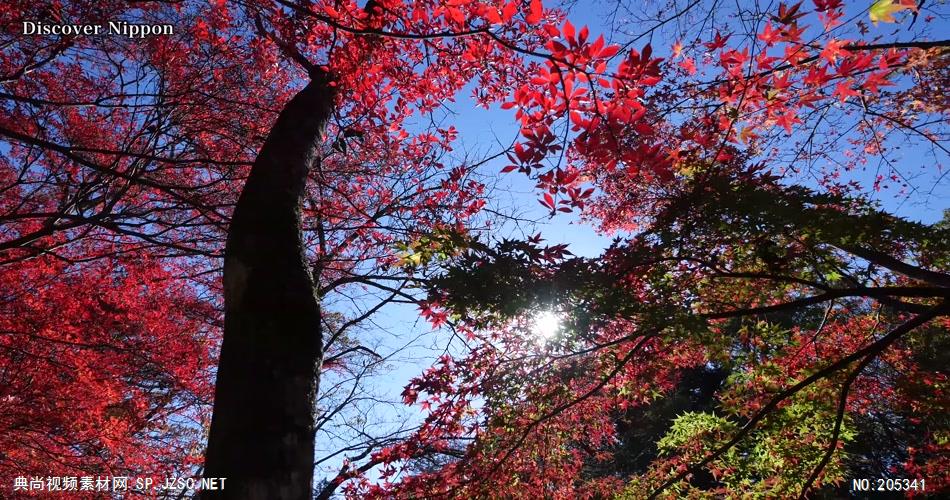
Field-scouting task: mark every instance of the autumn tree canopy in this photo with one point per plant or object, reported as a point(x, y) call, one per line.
point(764, 321)
point(735, 168)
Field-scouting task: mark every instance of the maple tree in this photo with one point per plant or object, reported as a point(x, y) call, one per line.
point(103, 369)
point(826, 313)
point(776, 313)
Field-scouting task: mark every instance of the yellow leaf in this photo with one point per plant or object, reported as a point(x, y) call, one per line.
point(746, 135)
point(884, 10)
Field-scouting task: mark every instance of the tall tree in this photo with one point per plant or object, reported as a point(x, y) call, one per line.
point(272, 349)
point(146, 144)
point(263, 425)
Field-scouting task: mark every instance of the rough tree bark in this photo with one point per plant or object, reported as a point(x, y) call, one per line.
point(262, 430)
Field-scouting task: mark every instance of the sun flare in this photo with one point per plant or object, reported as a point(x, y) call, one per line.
point(545, 325)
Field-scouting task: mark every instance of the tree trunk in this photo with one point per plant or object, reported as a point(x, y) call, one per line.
point(262, 430)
